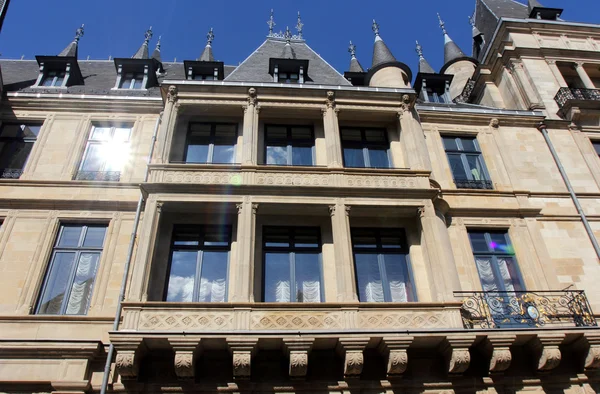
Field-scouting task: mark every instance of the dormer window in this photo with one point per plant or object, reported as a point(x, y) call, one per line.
point(132, 81)
point(433, 88)
point(204, 70)
point(58, 72)
point(203, 77)
point(288, 70)
point(53, 79)
point(289, 77)
point(434, 96)
point(136, 74)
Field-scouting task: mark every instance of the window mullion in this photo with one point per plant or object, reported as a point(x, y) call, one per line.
point(465, 163)
point(63, 309)
point(197, 276)
point(387, 295)
point(293, 289)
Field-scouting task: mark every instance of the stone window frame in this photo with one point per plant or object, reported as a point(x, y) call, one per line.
point(365, 147)
point(122, 70)
point(466, 134)
point(37, 141)
point(43, 75)
point(211, 142)
point(290, 140)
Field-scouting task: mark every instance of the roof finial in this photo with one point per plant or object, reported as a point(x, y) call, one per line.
point(471, 20)
point(271, 23)
point(210, 37)
point(158, 43)
point(299, 26)
point(375, 27)
point(288, 35)
point(352, 50)
point(148, 35)
point(442, 24)
point(419, 50)
point(79, 33)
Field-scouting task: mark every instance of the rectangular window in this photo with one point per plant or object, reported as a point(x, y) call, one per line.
point(106, 153)
point(69, 281)
point(466, 163)
point(204, 77)
point(365, 148)
point(435, 96)
point(199, 264)
point(288, 77)
point(292, 264)
point(382, 265)
point(132, 81)
point(289, 145)
point(16, 142)
point(53, 78)
point(596, 147)
point(495, 260)
point(211, 143)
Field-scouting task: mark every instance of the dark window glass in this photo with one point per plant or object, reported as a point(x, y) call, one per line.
point(466, 163)
point(16, 142)
point(211, 143)
point(53, 78)
point(288, 77)
point(365, 148)
point(106, 153)
point(132, 81)
point(596, 147)
point(496, 262)
point(382, 267)
point(292, 264)
point(289, 145)
point(204, 77)
point(199, 264)
point(69, 282)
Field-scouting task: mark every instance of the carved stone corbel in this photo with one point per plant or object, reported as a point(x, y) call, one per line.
point(456, 351)
point(546, 351)
point(172, 94)
point(406, 105)
point(352, 350)
point(127, 362)
point(394, 348)
point(298, 350)
point(494, 123)
point(589, 346)
point(499, 347)
point(242, 350)
point(330, 100)
point(252, 96)
point(185, 355)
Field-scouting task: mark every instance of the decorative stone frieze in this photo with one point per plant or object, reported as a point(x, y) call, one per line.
point(501, 356)
point(456, 351)
point(352, 350)
point(546, 351)
point(298, 350)
point(394, 348)
point(242, 350)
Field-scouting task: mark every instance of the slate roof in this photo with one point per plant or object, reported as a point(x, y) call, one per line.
point(207, 54)
point(489, 12)
point(381, 53)
point(355, 66)
point(256, 67)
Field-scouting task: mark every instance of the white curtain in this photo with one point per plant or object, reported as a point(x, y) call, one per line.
point(311, 291)
point(486, 274)
point(398, 291)
point(81, 291)
point(506, 275)
point(374, 291)
point(282, 291)
point(212, 291)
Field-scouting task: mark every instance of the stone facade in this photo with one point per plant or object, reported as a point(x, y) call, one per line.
point(339, 345)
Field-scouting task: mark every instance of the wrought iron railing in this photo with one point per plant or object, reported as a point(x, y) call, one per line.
point(466, 184)
point(501, 309)
point(112, 176)
point(11, 173)
point(566, 94)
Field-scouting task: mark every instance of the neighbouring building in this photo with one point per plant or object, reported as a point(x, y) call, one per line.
point(280, 227)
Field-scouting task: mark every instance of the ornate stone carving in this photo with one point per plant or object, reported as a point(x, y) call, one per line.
point(549, 358)
point(592, 359)
point(252, 96)
point(459, 361)
point(397, 362)
point(175, 320)
point(241, 364)
point(254, 208)
point(330, 101)
point(126, 364)
point(494, 123)
point(172, 94)
point(405, 319)
point(298, 363)
point(292, 320)
point(184, 364)
point(421, 212)
point(501, 359)
point(353, 363)
point(240, 208)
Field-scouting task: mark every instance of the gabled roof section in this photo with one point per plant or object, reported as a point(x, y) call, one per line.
point(256, 67)
point(489, 12)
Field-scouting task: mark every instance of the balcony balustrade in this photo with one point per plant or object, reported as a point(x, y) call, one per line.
point(569, 97)
point(111, 176)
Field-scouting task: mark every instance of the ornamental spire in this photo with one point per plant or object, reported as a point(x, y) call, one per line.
point(424, 66)
point(156, 53)
point(210, 37)
point(71, 49)
point(271, 23)
point(299, 26)
point(207, 53)
point(451, 50)
point(355, 65)
point(442, 24)
point(381, 53)
point(375, 28)
point(142, 53)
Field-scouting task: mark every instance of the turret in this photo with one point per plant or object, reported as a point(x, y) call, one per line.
point(385, 70)
point(356, 74)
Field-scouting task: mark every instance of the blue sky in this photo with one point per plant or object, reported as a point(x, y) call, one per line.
point(116, 27)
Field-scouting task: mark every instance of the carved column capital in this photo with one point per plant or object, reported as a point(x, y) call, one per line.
point(457, 353)
point(547, 353)
point(551, 61)
point(240, 208)
point(333, 209)
point(394, 348)
point(352, 349)
point(159, 207)
point(298, 350)
point(501, 356)
point(242, 350)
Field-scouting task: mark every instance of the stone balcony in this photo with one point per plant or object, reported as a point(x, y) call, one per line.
point(286, 177)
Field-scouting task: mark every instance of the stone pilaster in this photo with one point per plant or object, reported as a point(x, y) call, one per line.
point(412, 137)
point(546, 351)
point(298, 350)
point(395, 350)
point(186, 349)
point(439, 250)
point(342, 244)
point(332, 133)
point(556, 72)
point(242, 350)
point(242, 271)
point(352, 350)
point(167, 128)
point(456, 351)
point(525, 85)
point(250, 130)
point(499, 347)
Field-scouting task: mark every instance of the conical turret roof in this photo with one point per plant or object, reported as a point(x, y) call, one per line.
point(451, 50)
point(381, 53)
point(143, 52)
point(156, 53)
point(424, 66)
point(355, 66)
point(71, 49)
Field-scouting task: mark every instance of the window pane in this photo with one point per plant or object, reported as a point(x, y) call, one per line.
point(225, 134)
point(121, 134)
point(597, 147)
point(81, 291)
point(486, 274)
point(478, 242)
point(101, 133)
point(351, 135)
point(181, 277)
point(138, 82)
point(354, 157)
point(306, 237)
point(30, 131)
point(449, 143)
point(302, 134)
point(377, 136)
point(126, 82)
point(217, 236)
point(94, 158)
point(57, 281)
point(213, 283)
point(59, 80)
point(469, 144)
point(457, 167)
point(498, 243)
point(15, 154)
point(277, 277)
point(196, 154)
point(378, 158)
point(276, 237)
point(397, 275)
point(308, 277)
point(277, 155)
point(276, 133)
point(48, 80)
point(94, 237)
point(476, 167)
point(370, 288)
point(69, 237)
point(200, 129)
point(509, 274)
point(223, 154)
point(364, 238)
point(302, 156)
